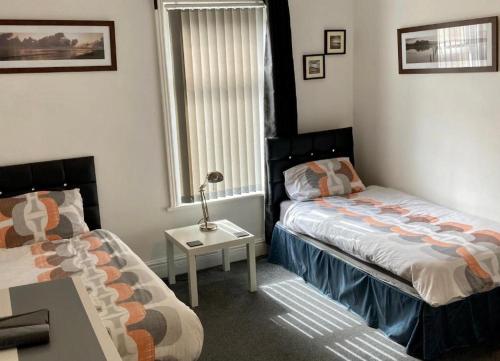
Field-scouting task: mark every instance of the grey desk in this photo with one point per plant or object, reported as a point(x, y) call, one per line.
point(76, 331)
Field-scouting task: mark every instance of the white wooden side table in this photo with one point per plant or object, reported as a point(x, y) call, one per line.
point(227, 235)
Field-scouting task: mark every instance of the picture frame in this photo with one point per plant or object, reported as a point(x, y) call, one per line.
point(314, 66)
point(38, 46)
point(453, 47)
point(335, 42)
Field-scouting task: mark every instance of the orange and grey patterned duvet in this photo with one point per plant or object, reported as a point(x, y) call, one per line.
point(445, 254)
point(144, 318)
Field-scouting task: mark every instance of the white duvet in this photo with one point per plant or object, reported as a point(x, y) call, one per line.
point(142, 315)
point(445, 254)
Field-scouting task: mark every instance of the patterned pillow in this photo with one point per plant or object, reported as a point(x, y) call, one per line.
point(322, 178)
point(40, 216)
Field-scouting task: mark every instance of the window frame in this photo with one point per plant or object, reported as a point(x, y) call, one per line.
point(169, 96)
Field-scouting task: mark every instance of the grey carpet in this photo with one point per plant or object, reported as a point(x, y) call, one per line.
point(286, 320)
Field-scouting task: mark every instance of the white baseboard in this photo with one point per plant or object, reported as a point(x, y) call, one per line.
point(159, 266)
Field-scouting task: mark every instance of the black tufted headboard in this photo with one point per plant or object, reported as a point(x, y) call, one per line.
point(55, 175)
point(284, 153)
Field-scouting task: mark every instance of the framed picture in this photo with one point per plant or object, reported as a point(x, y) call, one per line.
point(35, 46)
point(335, 42)
point(314, 66)
point(454, 47)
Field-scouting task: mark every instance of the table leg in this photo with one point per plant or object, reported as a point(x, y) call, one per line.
point(252, 272)
point(170, 262)
point(226, 257)
point(193, 282)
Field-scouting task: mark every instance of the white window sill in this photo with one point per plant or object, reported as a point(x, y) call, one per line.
point(186, 206)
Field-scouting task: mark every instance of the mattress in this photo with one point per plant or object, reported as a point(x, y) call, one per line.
point(446, 255)
point(284, 208)
point(144, 318)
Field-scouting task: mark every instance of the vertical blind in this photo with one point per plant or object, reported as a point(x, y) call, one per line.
point(223, 54)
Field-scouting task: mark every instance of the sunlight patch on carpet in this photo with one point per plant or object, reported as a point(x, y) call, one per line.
point(313, 315)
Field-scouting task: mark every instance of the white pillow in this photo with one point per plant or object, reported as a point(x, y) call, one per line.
point(322, 178)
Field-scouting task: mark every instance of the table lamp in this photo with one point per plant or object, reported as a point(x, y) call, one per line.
point(206, 225)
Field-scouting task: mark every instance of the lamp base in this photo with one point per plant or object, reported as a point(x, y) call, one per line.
point(208, 227)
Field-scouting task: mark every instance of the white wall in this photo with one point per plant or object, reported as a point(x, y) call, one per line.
point(431, 135)
point(435, 136)
point(323, 103)
point(115, 116)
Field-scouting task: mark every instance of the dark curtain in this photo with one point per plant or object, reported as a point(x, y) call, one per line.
point(281, 100)
point(280, 97)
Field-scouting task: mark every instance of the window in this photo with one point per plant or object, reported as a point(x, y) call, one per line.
point(213, 66)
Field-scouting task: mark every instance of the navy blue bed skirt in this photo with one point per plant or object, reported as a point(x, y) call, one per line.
point(427, 332)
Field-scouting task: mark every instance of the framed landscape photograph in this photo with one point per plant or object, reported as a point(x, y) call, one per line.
point(335, 42)
point(454, 47)
point(314, 66)
point(35, 46)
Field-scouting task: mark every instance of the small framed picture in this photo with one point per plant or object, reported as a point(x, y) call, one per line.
point(314, 66)
point(335, 42)
point(35, 46)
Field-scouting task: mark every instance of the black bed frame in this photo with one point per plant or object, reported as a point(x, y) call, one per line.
point(284, 153)
point(55, 175)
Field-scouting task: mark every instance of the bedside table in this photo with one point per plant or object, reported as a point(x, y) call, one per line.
point(220, 240)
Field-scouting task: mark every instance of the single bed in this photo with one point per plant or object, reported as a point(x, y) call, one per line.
point(426, 276)
point(144, 318)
